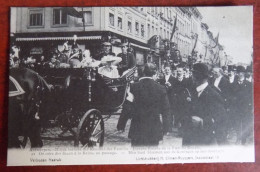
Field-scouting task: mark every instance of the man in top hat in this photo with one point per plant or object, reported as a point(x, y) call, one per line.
point(242, 106)
point(207, 108)
point(105, 49)
point(128, 58)
point(149, 102)
point(109, 69)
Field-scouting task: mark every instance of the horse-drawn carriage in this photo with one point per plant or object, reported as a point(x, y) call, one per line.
point(77, 100)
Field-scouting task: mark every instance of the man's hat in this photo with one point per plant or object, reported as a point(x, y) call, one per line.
point(106, 40)
point(232, 68)
point(181, 65)
point(249, 69)
point(124, 43)
point(241, 69)
point(201, 68)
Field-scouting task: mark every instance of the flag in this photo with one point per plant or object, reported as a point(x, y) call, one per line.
point(216, 40)
point(195, 44)
point(174, 27)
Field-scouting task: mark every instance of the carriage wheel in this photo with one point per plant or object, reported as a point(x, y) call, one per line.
point(90, 131)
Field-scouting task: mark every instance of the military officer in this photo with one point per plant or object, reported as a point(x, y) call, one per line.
point(105, 49)
point(128, 58)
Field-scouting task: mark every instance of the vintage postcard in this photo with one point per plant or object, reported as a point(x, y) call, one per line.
point(130, 85)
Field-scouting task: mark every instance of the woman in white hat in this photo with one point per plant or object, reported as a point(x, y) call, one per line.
point(109, 69)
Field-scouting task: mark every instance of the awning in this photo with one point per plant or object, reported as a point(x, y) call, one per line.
point(58, 38)
point(72, 12)
point(139, 46)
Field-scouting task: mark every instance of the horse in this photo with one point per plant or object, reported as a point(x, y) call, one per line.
point(27, 95)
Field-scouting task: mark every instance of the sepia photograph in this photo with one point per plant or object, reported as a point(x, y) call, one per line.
point(130, 85)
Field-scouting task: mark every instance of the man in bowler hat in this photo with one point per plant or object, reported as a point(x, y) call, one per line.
point(207, 108)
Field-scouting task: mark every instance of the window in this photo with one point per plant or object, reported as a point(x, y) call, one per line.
point(59, 17)
point(36, 17)
point(87, 15)
point(119, 23)
point(129, 27)
point(142, 30)
point(136, 28)
point(111, 19)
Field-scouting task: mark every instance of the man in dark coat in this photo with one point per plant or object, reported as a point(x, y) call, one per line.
point(221, 84)
point(128, 59)
point(242, 106)
point(180, 96)
point(149, 101)
point(167, 80)
point(206, 110)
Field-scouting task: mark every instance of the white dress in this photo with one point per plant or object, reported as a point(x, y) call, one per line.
point(110, 72)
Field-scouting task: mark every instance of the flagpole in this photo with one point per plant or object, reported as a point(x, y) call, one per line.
point(83, 20)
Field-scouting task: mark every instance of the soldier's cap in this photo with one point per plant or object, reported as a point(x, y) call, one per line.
point(124, 43)
point(106, 43)
point(201, 68)
point(241, 69)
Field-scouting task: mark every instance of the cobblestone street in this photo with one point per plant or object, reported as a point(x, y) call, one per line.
point(112, 136)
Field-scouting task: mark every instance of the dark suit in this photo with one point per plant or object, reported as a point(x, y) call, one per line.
point(224, 89)
point(209, 106)
point(128, 62)
point(150, 100)
point(169, 90)
point(180, 98)
point(242, 109)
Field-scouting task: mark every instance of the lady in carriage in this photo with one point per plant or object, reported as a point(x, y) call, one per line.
point(109, 69)
point(88, 61)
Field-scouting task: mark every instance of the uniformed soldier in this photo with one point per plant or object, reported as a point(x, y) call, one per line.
point(128, 58)
point(106, 47)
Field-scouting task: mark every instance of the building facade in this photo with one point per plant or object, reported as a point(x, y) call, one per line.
point(43, 28)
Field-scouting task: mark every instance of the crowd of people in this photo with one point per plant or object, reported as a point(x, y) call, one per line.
point(201, 104)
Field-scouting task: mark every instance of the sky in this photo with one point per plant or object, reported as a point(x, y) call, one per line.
point(235, 28)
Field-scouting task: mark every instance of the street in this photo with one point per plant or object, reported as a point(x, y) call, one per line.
point(112, 136)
